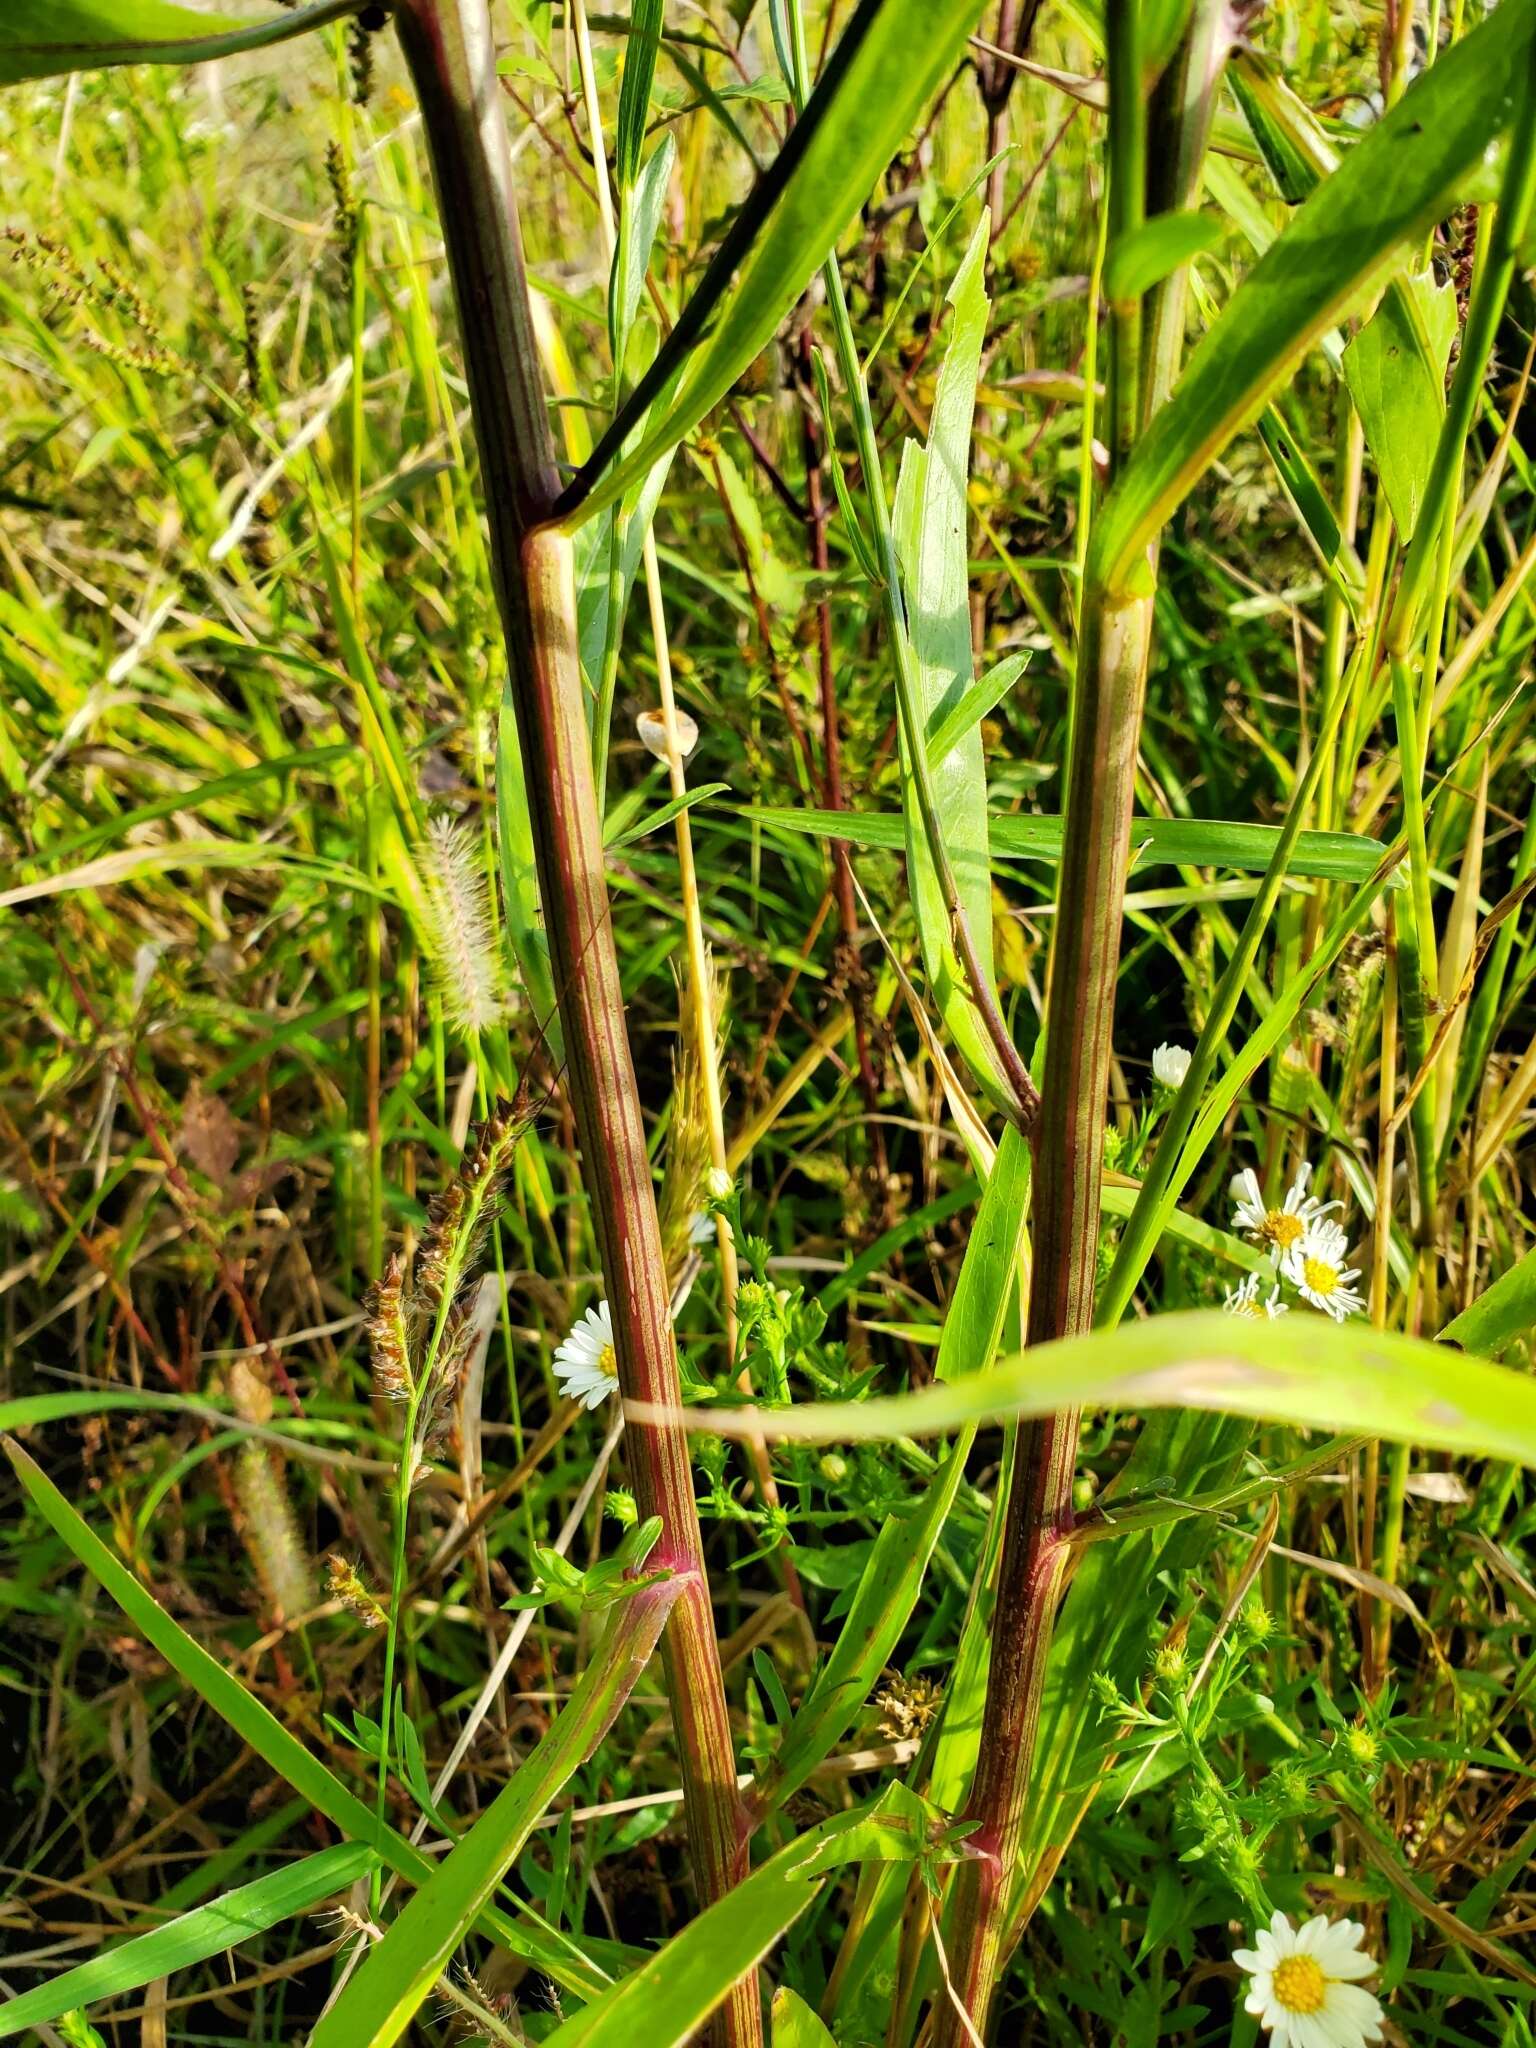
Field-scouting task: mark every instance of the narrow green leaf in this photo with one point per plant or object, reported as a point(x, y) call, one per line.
point(399, 1971)
point(266, 1735)
point(1153, 251)
point(1178, 842)
point(1293, 168)
point(1395, 369)
point(635, 90)
point(1400, 179)
point(663, 2002)
point(41, 38)
point(929, 522)
point(207, 1931)
point(1310, 503)
point(640, 219)
point(665, 813)
point(857, 538)
point(906, 49)
point(1303, 1369)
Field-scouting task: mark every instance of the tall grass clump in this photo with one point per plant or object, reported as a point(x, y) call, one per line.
point(765, 1157)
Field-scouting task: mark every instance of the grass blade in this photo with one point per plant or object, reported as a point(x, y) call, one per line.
point(908, 48)
point(380, 2002)
point(266, 1735)
point(207, 1931)
point(898, 1563)
point(1175, 842)
point(1303, 1369)
point(41, 38)
point(663, 2002)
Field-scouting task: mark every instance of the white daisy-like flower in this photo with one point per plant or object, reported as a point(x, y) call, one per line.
point(585, 1362)
point(1170, 1063)
point(1304, 1988)
point(1276, 1229)
point(1243, 1300)
point(1316, 1265)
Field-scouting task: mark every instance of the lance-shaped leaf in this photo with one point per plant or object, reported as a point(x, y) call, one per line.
point(1400, 179)
point(266, 1736)
point(898, 1563)
point(1395, 370)
point(1303, 1369)
point(929, 521)
point(1179, 842)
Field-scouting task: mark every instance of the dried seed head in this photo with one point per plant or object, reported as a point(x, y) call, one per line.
point(465, 1208)
point(388, 1326)
point(360, 60)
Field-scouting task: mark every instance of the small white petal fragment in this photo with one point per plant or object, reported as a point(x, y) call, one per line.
point(652, 728)
point(1170, 1063)
point(585, 1364)
point(1303, 1989)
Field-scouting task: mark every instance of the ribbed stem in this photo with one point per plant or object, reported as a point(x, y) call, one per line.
point(449, 48)
point(1114, 643)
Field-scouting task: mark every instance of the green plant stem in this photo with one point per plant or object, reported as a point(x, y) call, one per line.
point(449, 47)
point(1114, 644)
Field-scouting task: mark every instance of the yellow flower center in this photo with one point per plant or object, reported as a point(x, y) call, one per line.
point(1282, 1228)
point(1320, 1276)
point(1250, 1305)
point(607, 1362)
point(1300, 1984)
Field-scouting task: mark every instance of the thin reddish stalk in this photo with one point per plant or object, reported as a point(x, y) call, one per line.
point(449, 48)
